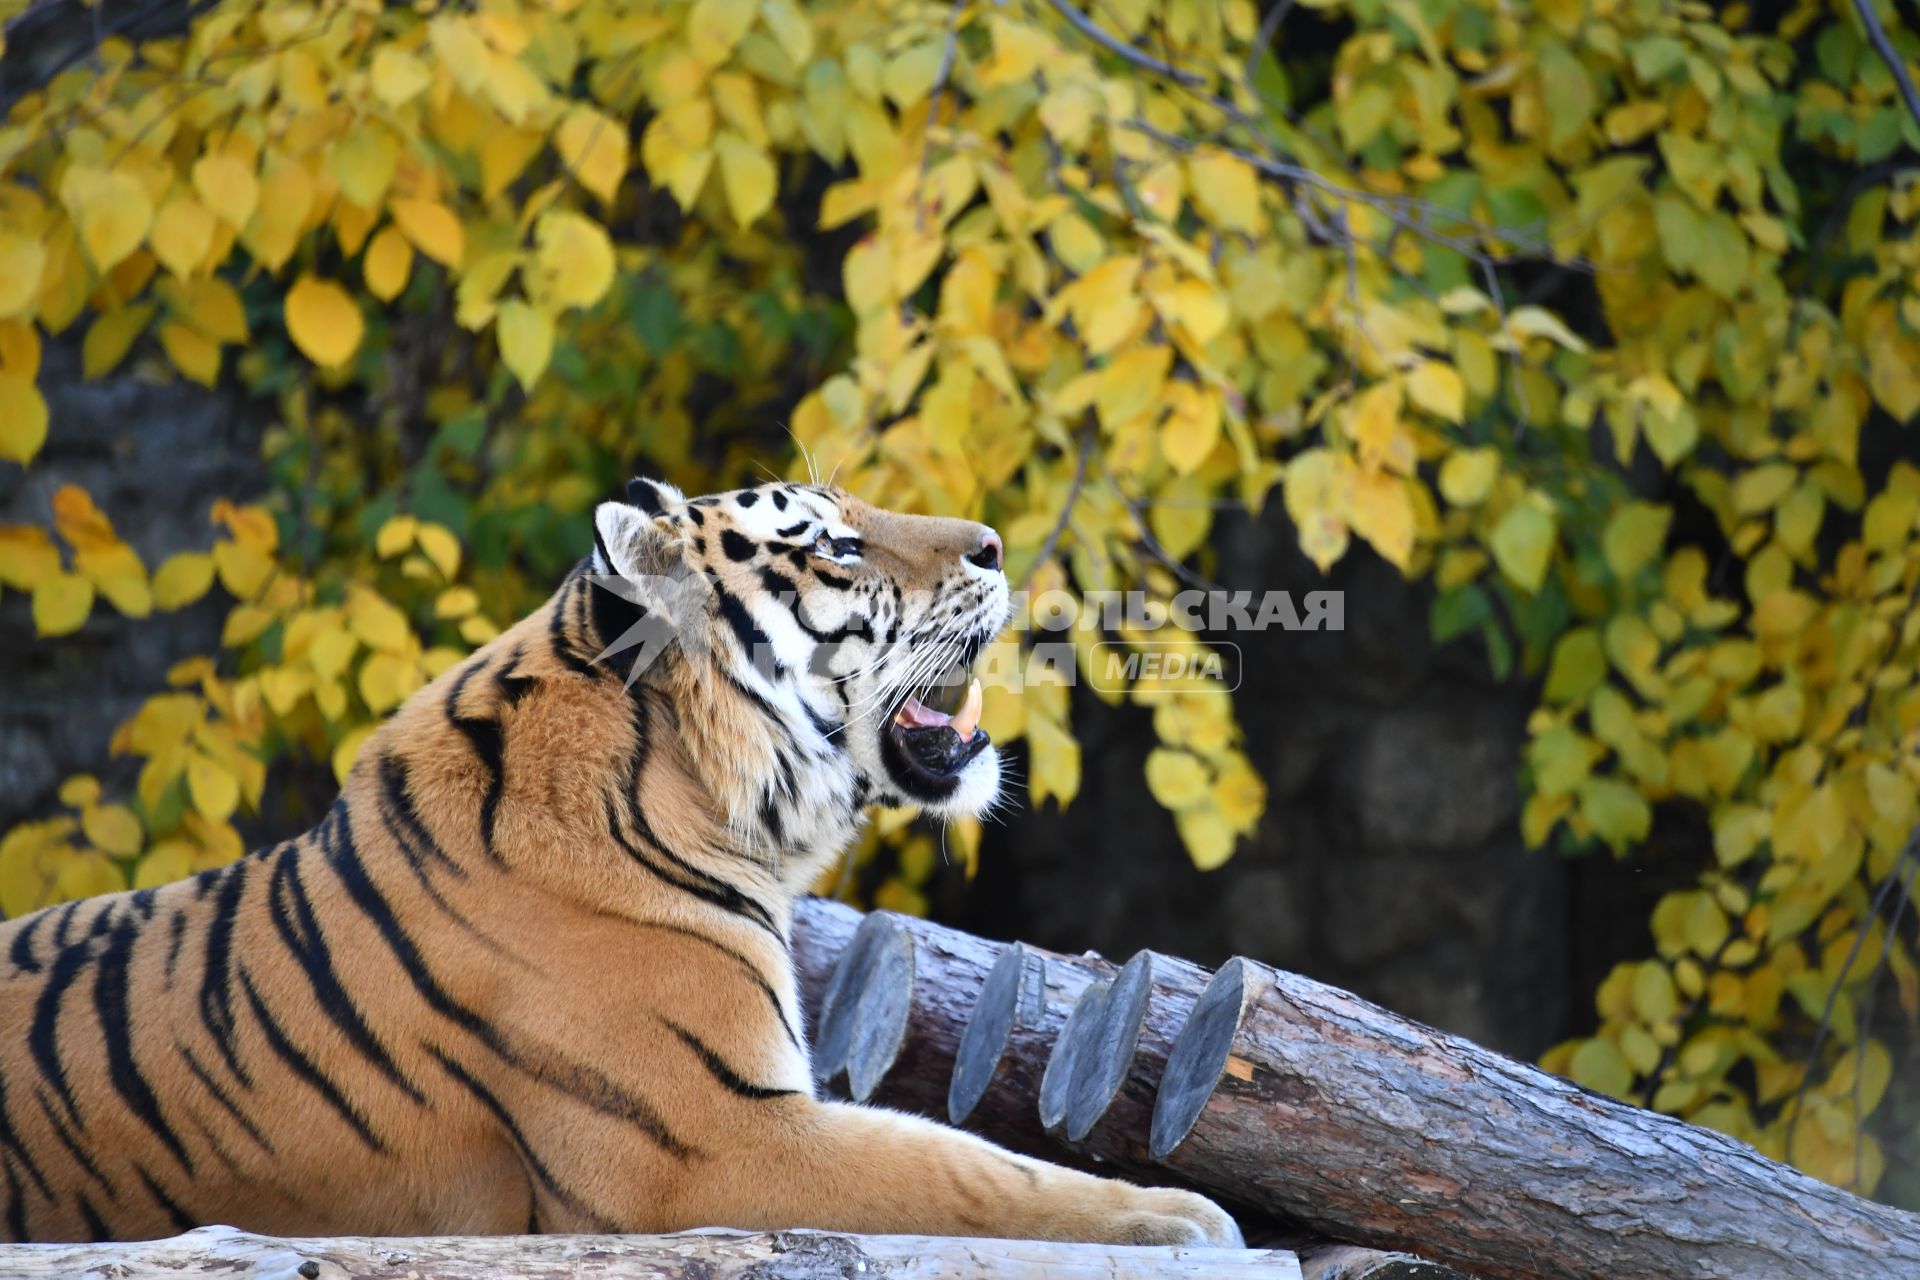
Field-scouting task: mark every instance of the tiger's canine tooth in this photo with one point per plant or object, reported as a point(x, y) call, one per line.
point(967, 719)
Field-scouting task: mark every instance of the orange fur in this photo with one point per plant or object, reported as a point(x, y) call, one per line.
point(531, 972)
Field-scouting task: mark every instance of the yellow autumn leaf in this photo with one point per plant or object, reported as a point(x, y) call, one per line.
point(1435, 387)
point(594, 149)
point(398, 76)
point(575, 259)
point(441, 547)
point(1207, 835)
point(113, 829)
point(87, 875)
point(526, 340)
point(116, 572)
point(182, 235)
point(1382, 513)
point(166, 862)
point(1522, 544)
point(215, 792)
point(111, 209)
point(1131, 383)
point(191, 351)
point(22, 259)
point(748, 176)
point(1375, 428)
point(182, 578)
point(395, 535)
point(432, 228)
point(1177, 779)
point(23, 418)
point(1192, 429)
point(1227, 190)
point(386, 680)
point(79, 791)
point(348, 750)
point(455, 603)
point(227, 186)
point(27, 556)
point(388, 262)
point(364, 163)
point(1634, 536)
point(243, 568)
point(287, 195)
point(1467, 476)
point(377, 623)
point(714, 27)
point(109, 337)
point(61, 603)
point(323, 321)
point(477, 631)
point(212, 306)
point(1319, 498)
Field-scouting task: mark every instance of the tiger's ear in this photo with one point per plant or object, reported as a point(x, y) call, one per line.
point(633, 541)
point(653, 496)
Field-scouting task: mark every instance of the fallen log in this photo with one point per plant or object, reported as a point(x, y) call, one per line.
point(1293, 1099)
point(691, 1255)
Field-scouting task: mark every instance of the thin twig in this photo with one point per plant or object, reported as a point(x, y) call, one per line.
point(1404, 211)
point(1085, 454)
point(1263, 38)
point(1864, 1024)
point(1911, 850)
point(1152, 543)
point(940, 81)
point(1138, 57)
point(1877, 33)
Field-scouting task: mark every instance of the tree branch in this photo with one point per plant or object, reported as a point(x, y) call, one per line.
point(1138, 57)
point(1085, 439)
point(1877, 32)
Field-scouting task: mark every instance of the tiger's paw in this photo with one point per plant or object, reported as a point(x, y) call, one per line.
point(1162, 1217)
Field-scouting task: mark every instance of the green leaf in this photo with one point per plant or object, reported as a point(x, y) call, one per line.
point(1657, 57)
point(654, 313)
point(1522, 544)
point(463, 432)
point(1634, 536)
point(1620, 815)
point(1458, 611)
point(1579, 665)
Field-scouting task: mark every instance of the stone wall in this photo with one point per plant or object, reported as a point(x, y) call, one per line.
point(154, 456)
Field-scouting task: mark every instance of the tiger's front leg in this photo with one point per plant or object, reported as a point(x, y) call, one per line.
point(839, 1167)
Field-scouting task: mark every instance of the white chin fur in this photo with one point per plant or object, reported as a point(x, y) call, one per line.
point(979, 788)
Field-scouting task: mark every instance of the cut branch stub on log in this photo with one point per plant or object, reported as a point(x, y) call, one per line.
point(1201, 1055)
point(984, 1042)
point(1056, 1084)
point(691, 1255)
point(863, 1018)
point(1104, 1060)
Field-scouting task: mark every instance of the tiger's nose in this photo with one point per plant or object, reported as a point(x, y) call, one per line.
point(989, 554)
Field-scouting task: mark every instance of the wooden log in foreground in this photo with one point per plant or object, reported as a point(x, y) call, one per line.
point(1295, 1099)
point(691, 1255)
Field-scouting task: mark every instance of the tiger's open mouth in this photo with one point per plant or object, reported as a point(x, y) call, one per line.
point(935, 731)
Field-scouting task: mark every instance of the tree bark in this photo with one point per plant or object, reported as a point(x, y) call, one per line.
point(692, 1255)
point(1297, 1100)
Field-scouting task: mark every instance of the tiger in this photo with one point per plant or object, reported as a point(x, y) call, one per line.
point(532, 971)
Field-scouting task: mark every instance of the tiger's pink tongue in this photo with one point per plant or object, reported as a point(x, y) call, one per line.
point(914, 715)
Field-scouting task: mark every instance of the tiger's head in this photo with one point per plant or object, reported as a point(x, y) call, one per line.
point(847, 633)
